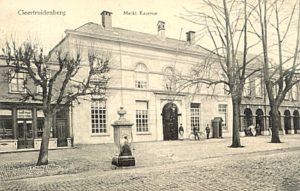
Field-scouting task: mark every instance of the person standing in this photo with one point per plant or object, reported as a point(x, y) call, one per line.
point(181, 131)
point(207, 129)
point(196, 130)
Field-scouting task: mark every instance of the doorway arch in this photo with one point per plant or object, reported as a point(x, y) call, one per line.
point(170, 121)
point(296, 121)
point(287, 121)
point(259, 120)
point(248, 117)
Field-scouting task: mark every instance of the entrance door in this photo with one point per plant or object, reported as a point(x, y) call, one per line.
point(25, 134)
point(61, 125)
point(170, 121)
point(260, 120)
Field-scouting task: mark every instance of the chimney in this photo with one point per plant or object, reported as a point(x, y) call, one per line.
point(190, 37)
point(106, 19)
point(161, 29)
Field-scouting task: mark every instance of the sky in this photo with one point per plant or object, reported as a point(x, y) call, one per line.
point(49, 29)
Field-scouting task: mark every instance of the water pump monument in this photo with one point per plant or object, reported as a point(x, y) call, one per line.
point(122, 140)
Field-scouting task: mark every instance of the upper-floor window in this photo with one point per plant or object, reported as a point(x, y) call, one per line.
point(288, 95)
point(295, 93)
point(97, 77)
point(169, 82)
point(275, 89)
point(226, 90)
point(258, 87)
point(247, 88)
point(141, 76)
point(17, 82)
point(24, 113)
point(39, 88)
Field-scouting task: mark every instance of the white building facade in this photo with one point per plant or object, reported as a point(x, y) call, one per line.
point(141, 66)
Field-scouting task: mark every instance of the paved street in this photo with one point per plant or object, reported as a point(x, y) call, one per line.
point(175, 165)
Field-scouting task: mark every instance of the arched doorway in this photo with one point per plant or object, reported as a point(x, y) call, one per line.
point(260, 120)
point(287, 121)
point(248, 117)
point(170, 121)
point(296, 121)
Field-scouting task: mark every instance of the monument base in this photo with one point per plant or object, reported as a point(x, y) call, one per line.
point(123, 161)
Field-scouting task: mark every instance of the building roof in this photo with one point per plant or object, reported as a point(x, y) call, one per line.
point(119, 34)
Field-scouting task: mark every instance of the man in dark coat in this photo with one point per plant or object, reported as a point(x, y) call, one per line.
point(207, 129)
point(196, 132)
point(181, 131)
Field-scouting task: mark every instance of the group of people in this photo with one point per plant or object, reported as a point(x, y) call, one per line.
point(196, 132)
point(252, 130)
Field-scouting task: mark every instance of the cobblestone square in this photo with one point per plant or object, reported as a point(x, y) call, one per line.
point(169, 165)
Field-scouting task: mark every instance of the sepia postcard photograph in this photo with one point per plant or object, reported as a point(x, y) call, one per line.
point(139, 95)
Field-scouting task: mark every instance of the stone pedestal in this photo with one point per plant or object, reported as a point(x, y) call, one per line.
point(123, 161)
point(122, 141)
point(8, 145)
point(52, 143)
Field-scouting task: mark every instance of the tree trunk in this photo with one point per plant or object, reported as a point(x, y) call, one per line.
point(43, 155)
point(276, 124)
point(236, 123)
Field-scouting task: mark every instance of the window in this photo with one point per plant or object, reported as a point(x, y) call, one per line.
point(141, 80)
point(40, 123)
point(223, 113)
point(169, 79)
point(142, 116)
point(98, 111)
point(275, 89)
point(195, 115)
point(226, 89)
point(288, 95)
point(6, 124)
point(247, 88)
point(295, 93)
point(97, 77)
point(17, 82)
point(24, 113)
point(39, 88)
point(258, 87)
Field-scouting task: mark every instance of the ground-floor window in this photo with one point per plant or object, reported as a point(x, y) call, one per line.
point(142, 116)
point(222, 108)
point(98, 112)
point(6, 124)
point(195, 115)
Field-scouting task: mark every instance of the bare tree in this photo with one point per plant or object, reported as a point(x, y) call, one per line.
point(284, 73)
point(226, 25)
point(56, 74)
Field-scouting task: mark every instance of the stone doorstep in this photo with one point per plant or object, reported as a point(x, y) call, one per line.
point(33, 149)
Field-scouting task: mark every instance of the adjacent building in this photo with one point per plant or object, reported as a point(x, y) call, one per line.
point(21, 122)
